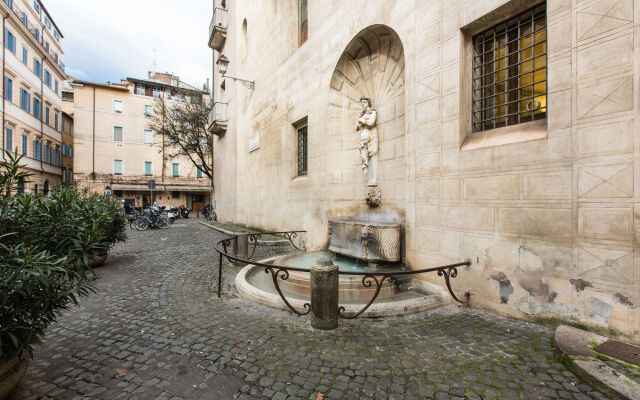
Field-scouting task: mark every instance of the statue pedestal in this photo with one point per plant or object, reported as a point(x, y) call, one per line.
point(373, 196)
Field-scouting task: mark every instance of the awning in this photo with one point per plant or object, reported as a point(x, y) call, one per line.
point(132, 187)
point(186, 188)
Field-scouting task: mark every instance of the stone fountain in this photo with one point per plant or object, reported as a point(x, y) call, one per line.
point(362, 238)
point(370, 242)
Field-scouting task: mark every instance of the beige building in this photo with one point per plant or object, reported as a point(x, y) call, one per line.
point(509, 135)
point(66, 127)
point(115, 152)
point(33, 75)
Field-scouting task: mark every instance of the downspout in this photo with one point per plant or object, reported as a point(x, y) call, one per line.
point(41, 109)
point(93, 141)
point(211, 94)
point(4, 18)
point(163, 127)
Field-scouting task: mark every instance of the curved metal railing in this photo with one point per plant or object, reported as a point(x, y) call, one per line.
point(281, 272)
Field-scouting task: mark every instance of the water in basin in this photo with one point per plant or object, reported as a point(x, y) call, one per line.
point(344, 263)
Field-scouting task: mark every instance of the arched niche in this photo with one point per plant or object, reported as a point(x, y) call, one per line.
point(371, 65)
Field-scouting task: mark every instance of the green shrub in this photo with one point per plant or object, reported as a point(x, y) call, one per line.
point(34, 288)
point(45, 246)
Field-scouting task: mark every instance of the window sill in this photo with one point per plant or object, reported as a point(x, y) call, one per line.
point(520, 133)
point(300, 178)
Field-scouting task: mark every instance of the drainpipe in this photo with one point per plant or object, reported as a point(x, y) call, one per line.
point(4, 18)
point(211, 94)
point(93, 141)
point(163, 127)
point(41, 108)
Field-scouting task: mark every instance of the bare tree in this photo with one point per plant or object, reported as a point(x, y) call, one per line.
point(183, 126)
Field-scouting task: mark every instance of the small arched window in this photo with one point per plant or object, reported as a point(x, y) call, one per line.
point(45, 188)
point(245, 40)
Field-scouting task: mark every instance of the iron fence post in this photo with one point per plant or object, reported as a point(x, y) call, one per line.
point(220, 275)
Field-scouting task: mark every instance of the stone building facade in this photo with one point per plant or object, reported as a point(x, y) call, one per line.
point(531, 174)
point(33, 74)
point(118, 154)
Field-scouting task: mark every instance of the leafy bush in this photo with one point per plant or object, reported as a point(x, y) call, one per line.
point(45, 246)
point(34, 288)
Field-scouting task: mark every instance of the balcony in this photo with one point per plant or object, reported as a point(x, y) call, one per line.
point(218, 29)
point(218, 118)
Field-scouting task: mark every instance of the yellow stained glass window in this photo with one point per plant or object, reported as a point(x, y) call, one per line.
point(510, 71)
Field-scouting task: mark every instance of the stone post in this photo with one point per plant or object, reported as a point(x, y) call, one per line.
point(241, 246)
point(324, 294)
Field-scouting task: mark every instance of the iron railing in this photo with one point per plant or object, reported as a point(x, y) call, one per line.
point(219, 20)
point(218, 112)
point(280, 272)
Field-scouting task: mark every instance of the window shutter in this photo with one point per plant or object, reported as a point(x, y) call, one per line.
point(117, 134)
point(148, 136)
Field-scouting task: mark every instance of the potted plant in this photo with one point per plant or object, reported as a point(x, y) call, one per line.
point(111, 222)
point(45, 245)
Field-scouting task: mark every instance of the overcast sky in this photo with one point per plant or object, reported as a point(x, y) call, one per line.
point(107, 40)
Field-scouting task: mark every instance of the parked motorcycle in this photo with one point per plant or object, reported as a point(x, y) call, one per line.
point(175, 211)
point(184, 212)
point(171, 214)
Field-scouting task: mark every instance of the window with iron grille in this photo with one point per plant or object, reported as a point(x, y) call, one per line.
point(302, 150)
point(510, 71)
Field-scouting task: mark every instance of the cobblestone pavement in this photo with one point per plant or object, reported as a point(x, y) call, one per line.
point(155, 330)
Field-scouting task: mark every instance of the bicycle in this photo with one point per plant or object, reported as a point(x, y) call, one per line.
point(151, 220)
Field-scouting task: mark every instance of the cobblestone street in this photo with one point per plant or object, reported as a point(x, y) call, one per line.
point(155, 330)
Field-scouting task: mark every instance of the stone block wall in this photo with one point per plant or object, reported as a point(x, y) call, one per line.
point(549, 222)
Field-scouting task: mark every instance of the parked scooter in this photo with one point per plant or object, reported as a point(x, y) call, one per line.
point(184, 212)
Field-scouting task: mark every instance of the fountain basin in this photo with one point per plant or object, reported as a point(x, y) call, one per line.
point(371, 241)
point(254, 284)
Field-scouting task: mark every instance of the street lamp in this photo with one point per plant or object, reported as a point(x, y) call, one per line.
point(223, 63)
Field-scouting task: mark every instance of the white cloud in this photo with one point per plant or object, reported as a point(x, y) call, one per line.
point(111, 40)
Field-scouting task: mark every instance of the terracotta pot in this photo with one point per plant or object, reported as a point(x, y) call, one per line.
point(11, 372)
point(99, 258)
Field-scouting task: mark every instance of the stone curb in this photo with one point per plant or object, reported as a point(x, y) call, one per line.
point(232, 233)
point(574, 347)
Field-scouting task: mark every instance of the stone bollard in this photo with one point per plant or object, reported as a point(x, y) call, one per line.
point(324, 294)
point(241, 246)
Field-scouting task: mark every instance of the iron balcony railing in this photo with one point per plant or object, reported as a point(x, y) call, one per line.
point(33, 29)
point(218, 112)
point(218, 28)
point(219, 19)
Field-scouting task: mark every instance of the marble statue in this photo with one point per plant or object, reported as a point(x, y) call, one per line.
point(368, 140)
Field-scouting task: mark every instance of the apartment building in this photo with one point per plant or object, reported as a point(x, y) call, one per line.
point(33, 73)
point(118, 154)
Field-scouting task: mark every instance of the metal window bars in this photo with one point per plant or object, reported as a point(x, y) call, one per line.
point(302, 150)
point(510, 71)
